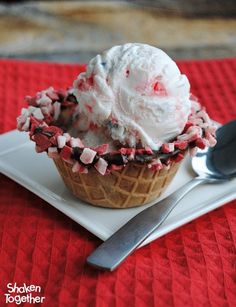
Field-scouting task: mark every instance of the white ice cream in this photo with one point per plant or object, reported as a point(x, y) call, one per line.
point(138, 91)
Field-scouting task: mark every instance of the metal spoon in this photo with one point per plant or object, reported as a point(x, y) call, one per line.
point(212, 165)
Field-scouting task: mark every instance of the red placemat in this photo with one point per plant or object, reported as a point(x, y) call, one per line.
point(194, 265)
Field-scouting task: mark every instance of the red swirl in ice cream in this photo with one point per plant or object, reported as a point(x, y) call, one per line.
point(138, 92)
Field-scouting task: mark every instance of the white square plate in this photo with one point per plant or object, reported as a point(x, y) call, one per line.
point(36, 172)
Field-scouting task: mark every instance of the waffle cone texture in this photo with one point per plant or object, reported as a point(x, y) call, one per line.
point(134, 185)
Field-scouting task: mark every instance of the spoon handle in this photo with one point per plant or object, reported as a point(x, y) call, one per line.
point(115, 249)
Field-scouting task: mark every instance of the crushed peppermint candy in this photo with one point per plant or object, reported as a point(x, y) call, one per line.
point(78, 167)
point(61, 141)
point(87, 155)
point(52, 152)
point(101, 166)
point(76, 142)
point(168, 147)
point(45, 109)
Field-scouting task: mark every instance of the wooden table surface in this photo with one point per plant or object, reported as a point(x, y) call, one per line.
point(74, 31)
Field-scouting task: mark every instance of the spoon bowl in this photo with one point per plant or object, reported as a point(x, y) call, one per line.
point(219, 162)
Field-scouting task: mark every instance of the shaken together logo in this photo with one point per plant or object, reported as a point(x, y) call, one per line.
point(23, 294)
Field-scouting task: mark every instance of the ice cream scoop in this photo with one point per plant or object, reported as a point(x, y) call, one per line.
point(137, 92)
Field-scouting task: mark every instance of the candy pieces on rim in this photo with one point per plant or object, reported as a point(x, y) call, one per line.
point(46, 107)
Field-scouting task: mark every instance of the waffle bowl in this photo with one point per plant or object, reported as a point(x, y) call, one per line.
point(134, 185)
point(122, 178)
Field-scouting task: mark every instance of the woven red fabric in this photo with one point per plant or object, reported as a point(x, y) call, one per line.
point(194, 265)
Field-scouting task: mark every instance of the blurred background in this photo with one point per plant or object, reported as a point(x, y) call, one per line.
point(74, 31)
